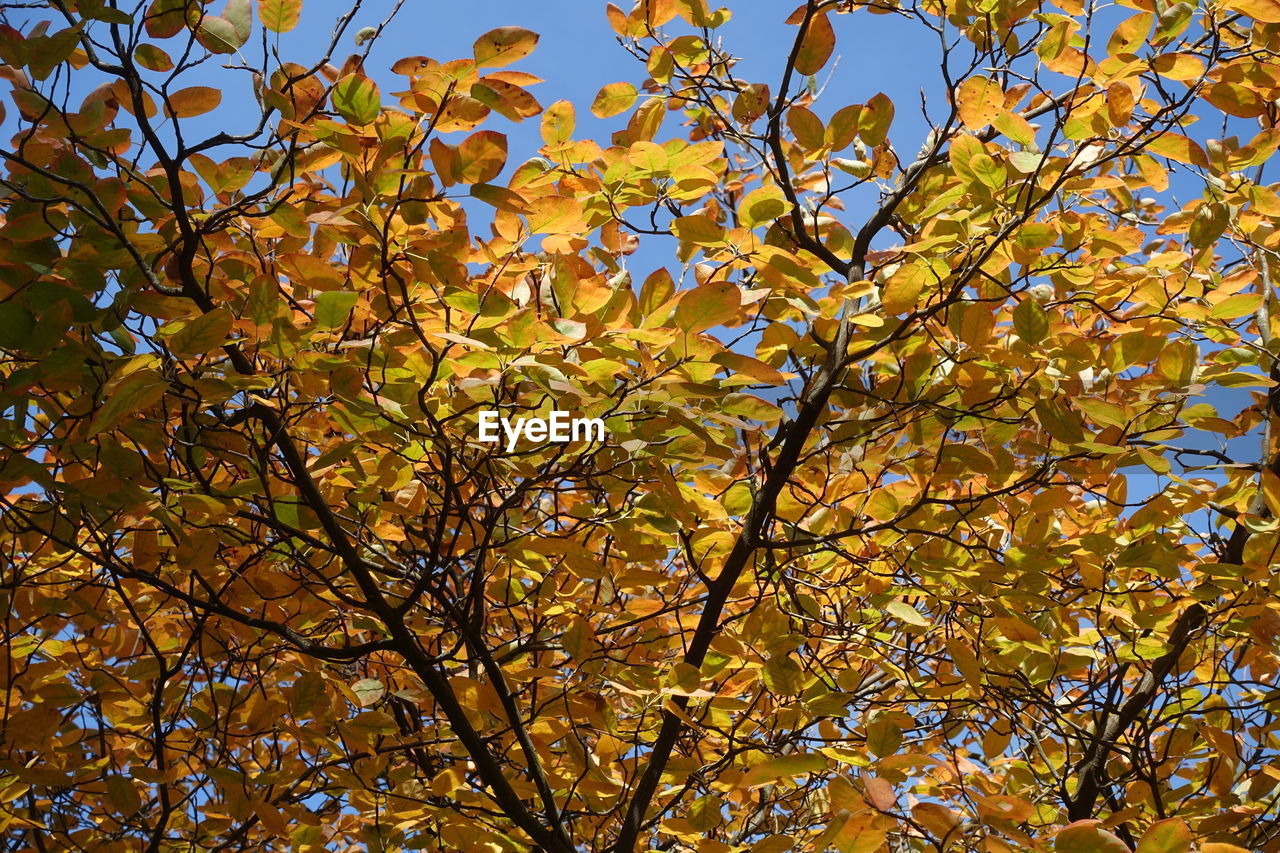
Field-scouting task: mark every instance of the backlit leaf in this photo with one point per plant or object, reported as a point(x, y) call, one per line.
point(481, 157)
point(979, 100)
point(504, 46)
point(356, 99)
point(1166, 836)
point(1087, 836)
point(783, 768)
point(817, 46)
point(279, 16)
point(613, 99)
point(193, 101)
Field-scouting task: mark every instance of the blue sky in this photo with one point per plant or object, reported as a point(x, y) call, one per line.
point(579, 52)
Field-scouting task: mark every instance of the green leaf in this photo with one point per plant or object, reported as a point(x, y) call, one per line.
point(218, 35)
point(1236, 305)
point(783, 675)
point(16, 325)
point(1030, 321)
point(356, 99)
point(333, 307)
point(883, 737)
point(295, 514)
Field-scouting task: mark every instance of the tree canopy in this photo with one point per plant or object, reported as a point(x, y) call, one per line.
point(939, 499)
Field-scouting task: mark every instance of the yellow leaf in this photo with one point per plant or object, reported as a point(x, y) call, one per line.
point(613, 99)
point(504, 46)
point(555, 214)
point(481, 157)
point(558, 123)
point(762, 205)
point(708, 305)
point(279, 16)
point(1267, 11)
point(783, 767)
point(875, 118)
point(979, 100)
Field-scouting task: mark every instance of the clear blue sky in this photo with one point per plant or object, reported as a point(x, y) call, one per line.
point(579, 52)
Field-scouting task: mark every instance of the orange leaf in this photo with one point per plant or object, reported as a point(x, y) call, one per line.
point(708, 305)
point(481, 157)
point(979, 100)
point(815, 50)
point(193, 101)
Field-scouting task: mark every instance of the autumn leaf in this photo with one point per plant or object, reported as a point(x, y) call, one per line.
point(1087, 836)
point(279, 16)
point(481, 157)
point(762, 205)
point(758, 471)
point(192, 101)
point(613, 99)
point(708, 305)
point(504, 46)
point(558, 123)
point(979, 100)
point(781, 768)
point(356, 99)
point(816, 48)
point(874, 119)
point(1030, 321)
point(200, 334)
point(1266, 11)
point(1166, 836)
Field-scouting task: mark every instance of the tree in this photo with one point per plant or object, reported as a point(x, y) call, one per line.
point(939, 496)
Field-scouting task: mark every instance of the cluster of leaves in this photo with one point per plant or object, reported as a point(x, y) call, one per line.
point(867, 560)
